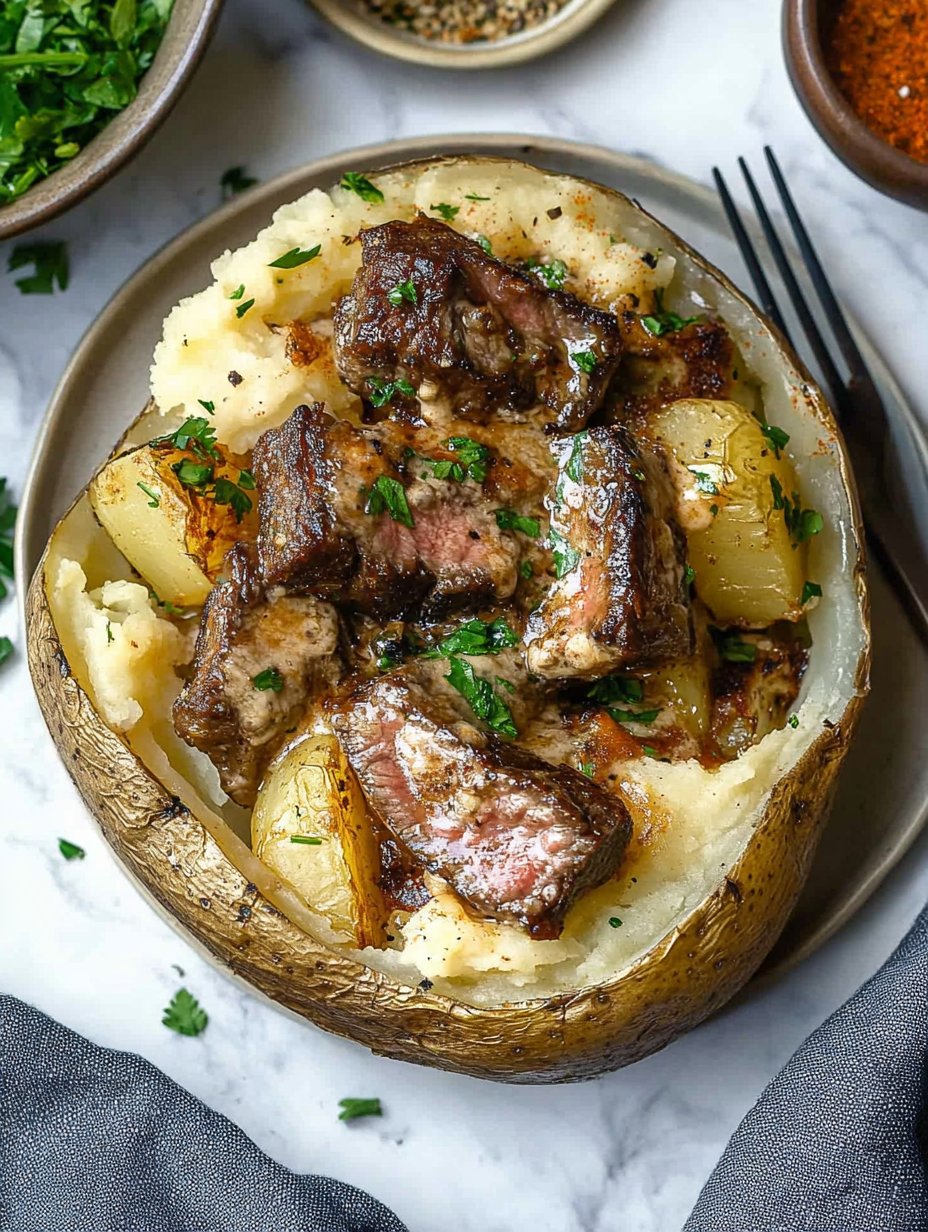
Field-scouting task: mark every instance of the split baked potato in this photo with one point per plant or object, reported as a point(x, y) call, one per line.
point(720, 752)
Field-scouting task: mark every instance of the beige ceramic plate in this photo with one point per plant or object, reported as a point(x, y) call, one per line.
point(882, 798)
point(352, 17)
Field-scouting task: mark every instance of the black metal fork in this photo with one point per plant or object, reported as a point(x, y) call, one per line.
point(854, 397)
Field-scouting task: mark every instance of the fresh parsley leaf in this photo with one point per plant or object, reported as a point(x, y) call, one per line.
point(483, 241)
point(566, 557)
point(307, 840)
point(228, 493)
point(109, 633)
point(633, 716)
point(447, 212)
point(574, 468)
point(810, 590)
point(584, 361)
point(351, 1109)
point(587, 768)
point(387, 495)
point(209, 407)
point(243, 308)
point(793, 720)
point(49, 259)
point(475, 197)
point(689, 574)
point(472, 465)
point(662, 321)
point(238, 292)
point(7, 526)
point(615, 922)
point(235, 180)
point(526, 569)
point(482, 698)
point(552, 275)
point(269, 679)
point(732, 648)
point(705, 483)
point(616, 689)
point(154, 498)
point(403, 291)
point(185, 1014)
point(70, 851)
point(382, 392)
point(801, 523)
point(195, 433)
point(354, 182)
point(775, 437)
point(476, 637)
point(192, 474)
point(508, 519)
point(295, 257)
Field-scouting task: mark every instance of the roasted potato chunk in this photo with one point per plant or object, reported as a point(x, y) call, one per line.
point(175, 534)
point(311, 825)
point(735, 504)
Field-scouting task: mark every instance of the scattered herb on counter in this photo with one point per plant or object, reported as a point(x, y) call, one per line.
point(584, 361)
point(6, 649)
point(235, 180)
point(154, 498)
point(270, 678)
point(810, 590)
point(49, 259)
point(775, 437)
point(243, 308)
point(553, 275)
point(793, 720)
point(801, 523)
point(70, 851)
point(295, 257)
point(354, 182)
point(662, 320)
point(403, 292)
point(566, 558)
point(615, 922)
point(446, 211)
point(613, 689)
point(66, 68)
point(387, 495)
point(732, 648)
point(185, 1015)
point(307, 840)
point(508, 519)
point(7, 526)
point(481, 697)
point(351, 1109)
point(476, 637)
point(382, 392)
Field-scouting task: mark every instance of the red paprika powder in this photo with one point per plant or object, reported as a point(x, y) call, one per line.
point(878, 53)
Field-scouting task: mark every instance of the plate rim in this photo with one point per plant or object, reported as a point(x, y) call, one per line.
point(386, 153)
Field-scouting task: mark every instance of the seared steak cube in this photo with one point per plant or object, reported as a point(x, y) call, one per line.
point(429, 307)
point(621, 597)
point(351, 514)
point(517, 839)
point(257, 665)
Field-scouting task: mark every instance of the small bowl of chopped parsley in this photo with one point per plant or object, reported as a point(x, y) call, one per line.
point(83, 85)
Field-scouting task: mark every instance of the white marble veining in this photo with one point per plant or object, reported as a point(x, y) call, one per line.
point(686, 84)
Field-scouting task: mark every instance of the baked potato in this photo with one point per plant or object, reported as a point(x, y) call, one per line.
point(687, 793)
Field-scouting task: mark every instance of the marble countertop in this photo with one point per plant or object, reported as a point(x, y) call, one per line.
point(686, 85)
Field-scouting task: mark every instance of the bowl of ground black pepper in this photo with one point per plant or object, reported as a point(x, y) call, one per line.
point(462, 34)
point(860, 69)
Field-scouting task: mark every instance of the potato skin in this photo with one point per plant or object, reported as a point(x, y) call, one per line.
point(684, 978)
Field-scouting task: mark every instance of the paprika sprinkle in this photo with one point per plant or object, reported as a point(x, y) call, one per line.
point(878, 54)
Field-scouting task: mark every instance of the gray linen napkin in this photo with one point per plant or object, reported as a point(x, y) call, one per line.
point(93, 1140)
point(839, 1140)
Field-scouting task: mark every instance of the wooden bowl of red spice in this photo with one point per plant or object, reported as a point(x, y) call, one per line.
point(860, 69)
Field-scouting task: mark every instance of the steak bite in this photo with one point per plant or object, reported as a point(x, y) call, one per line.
point(350, 514)
point(516, 838)
point(621, 595)
point(430, 308)
point(258, 662)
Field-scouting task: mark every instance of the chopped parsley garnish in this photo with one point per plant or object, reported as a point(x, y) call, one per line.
point(633, 716)
point(238, 292)
point(482, 698)
point(243, 308)
point(447, 212)
point(587, 768)
point(615, 922)
point(6, 649)
point(354, 182)
point(616, 689)
point(270, 678)
point(192, 474)
point(775, 437)
point(483, 241)
point(70, 850)
point(566, 558)
point(235, 180)
point(296, 256)
point(584, 361)
point(185, 1014)
point(508, 519)
point(351, 1109)
point(476, 637)
point(226, 492)
point(472, 465)
point(662, 320)
point(7, 525)
point(810, 590)
point(66, 68)
point(705, 483)
point(475, 197)
point(383, 391)
point(49, 259)
point(574, 468)
point(689, 574)
point(403, 292)
point(793, 720)
point(209, 407)
point(387, 495)
point(109, 633)
point(732, 648)
point(552, 275)
point(801, 523)
point(195, 433)
point(307, 840)
point(154, 498)
point(526, 569)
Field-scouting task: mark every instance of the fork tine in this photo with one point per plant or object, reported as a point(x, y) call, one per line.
point(755, 269)
point(836, 318)
point(829, 372)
